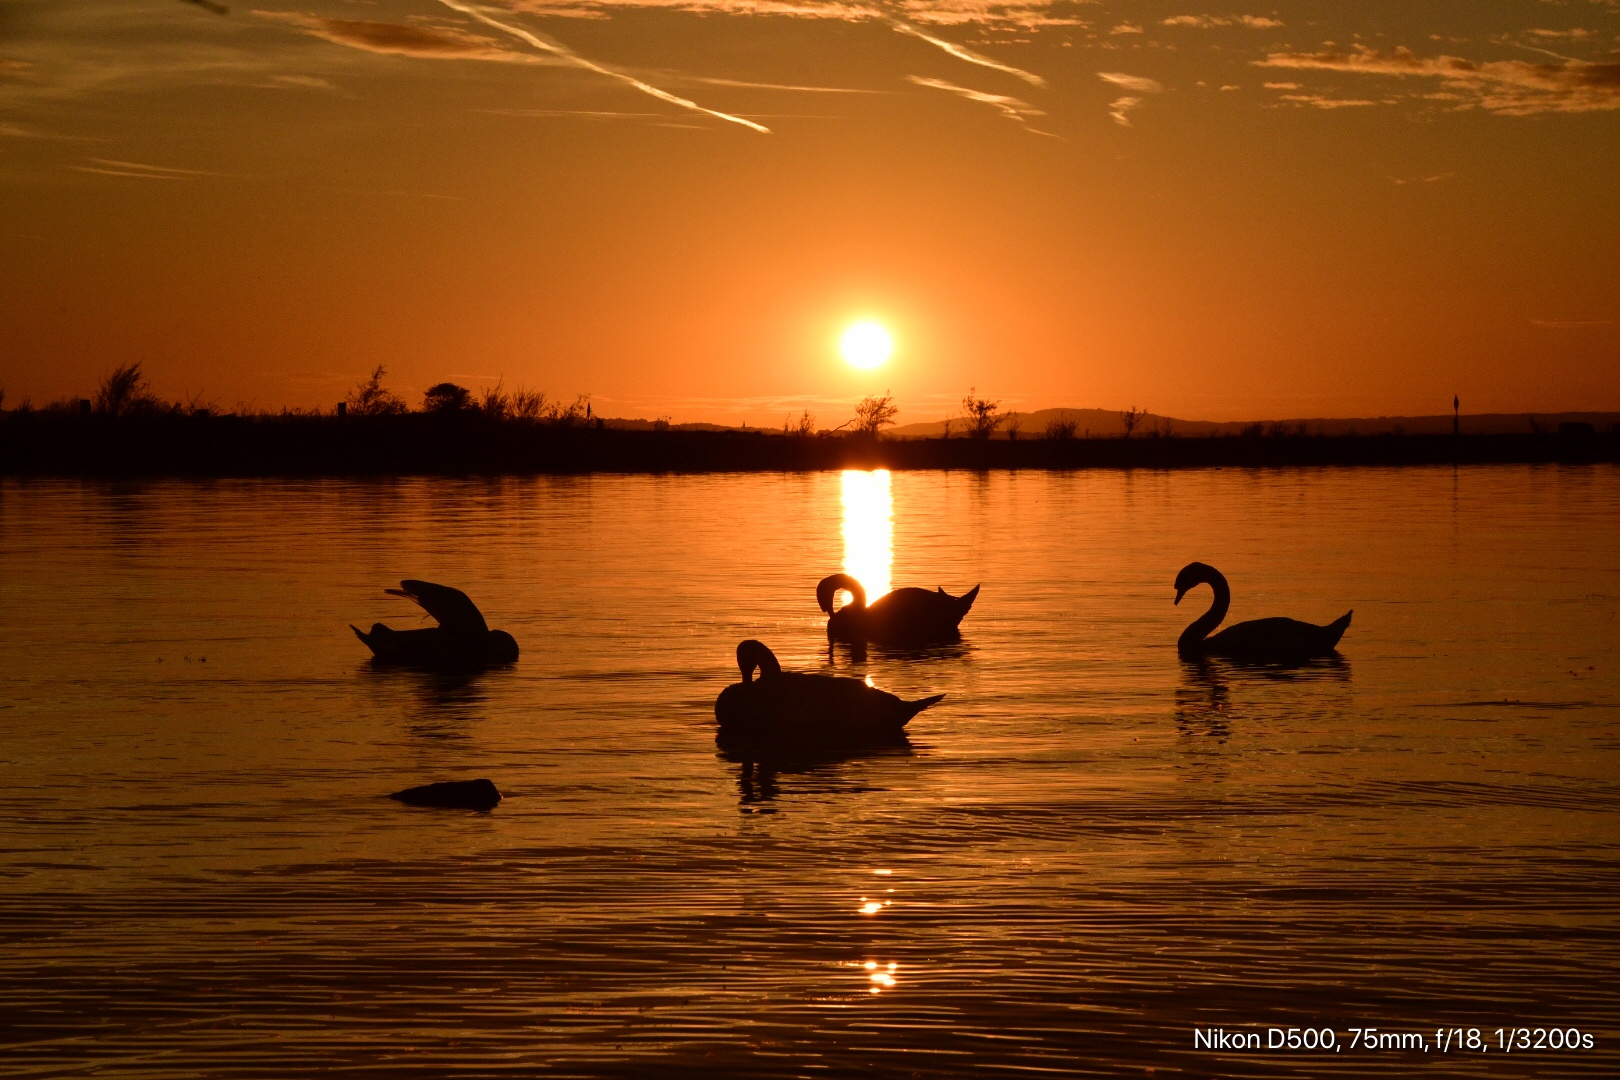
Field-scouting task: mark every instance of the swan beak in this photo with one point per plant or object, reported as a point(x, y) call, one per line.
point(1179, 594)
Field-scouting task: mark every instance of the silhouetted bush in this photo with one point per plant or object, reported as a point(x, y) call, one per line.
point(1062, 428)
point(123, 392)
point(983, 416)
point(371, 398)
point(445, 397)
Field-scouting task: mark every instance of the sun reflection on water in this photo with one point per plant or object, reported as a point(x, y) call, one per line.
point(868, 529)
point(880, 978)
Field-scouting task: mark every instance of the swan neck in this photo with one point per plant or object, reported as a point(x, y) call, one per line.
point(1201, 627)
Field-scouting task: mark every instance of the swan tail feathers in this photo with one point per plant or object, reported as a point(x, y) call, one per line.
point(968, 598)
point(1337, 627)
point(363, 636)
point(915, 707)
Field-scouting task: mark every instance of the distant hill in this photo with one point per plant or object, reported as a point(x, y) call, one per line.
point(1107, 423)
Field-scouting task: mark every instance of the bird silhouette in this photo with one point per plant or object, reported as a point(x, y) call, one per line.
point(793, 709)
point(461, 640)
point(1261, 641)
point(902, 617)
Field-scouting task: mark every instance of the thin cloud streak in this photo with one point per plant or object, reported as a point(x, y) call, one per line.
point(743, 83)
point(1010, 107)
point(963, 53)
point(1508, 87)
point(564, 53)
point(1137, 83)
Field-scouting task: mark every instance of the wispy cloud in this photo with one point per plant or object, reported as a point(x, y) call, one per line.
point(1209, 22)
point(961, 52)
point(562, 52)
point(1509, 87)
point(708, 81)
point(1570, 324)
point(1138, 83)
point(110, 167)
point(1010, 107)
point(1433, 178)
point(1120, 108)
point(400, 39)
point(1324, 101)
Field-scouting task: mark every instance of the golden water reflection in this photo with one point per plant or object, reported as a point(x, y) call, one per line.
point(868, 529)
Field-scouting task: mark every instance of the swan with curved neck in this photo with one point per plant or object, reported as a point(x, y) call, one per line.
point(788, 709)
point(907, 616)
point(1260, 641)
point(461, 640)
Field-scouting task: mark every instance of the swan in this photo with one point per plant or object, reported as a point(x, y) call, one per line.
point(1262, 641)
point(784, 707)
point(461, 640)
point(907, 616)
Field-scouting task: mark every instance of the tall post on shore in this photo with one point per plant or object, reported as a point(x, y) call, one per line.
point(1456, 414)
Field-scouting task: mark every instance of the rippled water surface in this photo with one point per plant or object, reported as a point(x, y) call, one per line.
point(1086, 852)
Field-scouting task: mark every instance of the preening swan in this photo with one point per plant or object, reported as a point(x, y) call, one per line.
point(1262, 641)
point(461, 640)
point(785, 708)
point(907, 616)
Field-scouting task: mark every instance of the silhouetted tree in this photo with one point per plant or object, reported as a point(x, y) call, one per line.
point(802, 427)
point(875, 413)
point(1130, 418)
point(371, 398)
point(983, 416)
point(445, 397)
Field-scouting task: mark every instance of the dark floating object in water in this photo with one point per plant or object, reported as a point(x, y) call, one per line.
point(1262, 641)
point(452, 795)
point(461, 640)
point(902, 617)
point(792, 710)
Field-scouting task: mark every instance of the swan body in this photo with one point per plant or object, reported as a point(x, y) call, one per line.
point(461, 640)
point(908, 616)
point(1261, 641)
point(791, 708)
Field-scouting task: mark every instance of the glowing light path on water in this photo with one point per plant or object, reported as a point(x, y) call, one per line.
point(868, 529)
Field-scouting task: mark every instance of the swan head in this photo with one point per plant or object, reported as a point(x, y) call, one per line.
point(503, 647)
point(753, 654)
point(1193, 575)
point(827, 590)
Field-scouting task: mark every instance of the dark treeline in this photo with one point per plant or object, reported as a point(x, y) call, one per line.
point(101, 444)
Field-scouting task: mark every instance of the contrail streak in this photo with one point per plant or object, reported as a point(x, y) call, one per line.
point(565, 53)
point(962, 53)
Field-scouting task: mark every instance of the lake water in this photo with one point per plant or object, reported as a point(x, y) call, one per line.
point(1089, 850)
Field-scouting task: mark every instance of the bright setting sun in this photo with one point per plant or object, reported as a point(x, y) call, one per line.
point(866, 345)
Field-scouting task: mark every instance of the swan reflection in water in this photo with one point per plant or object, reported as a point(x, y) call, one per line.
point(855, 652)
point(1216, 693)
point(439, 704)
point(763, 776)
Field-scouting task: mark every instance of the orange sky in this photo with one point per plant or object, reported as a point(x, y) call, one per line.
point(1219, 214)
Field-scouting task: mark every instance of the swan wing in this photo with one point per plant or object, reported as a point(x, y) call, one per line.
point(1273, 639)
point(451, 607)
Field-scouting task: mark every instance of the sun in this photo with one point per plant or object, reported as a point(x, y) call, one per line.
point(866, 345)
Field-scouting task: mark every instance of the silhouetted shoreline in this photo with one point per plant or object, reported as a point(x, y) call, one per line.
point(54, 444)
